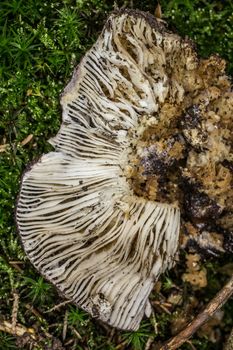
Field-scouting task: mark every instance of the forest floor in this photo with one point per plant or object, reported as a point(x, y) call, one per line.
point(40, 44)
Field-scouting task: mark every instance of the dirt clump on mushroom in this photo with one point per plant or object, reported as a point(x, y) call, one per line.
point(184, 154)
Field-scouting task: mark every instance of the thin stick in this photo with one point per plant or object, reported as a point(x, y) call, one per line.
point(15, 264)
point(65, 324)
point(162, 306)
point(15, 311)
point(149, 343)
point(19, 330)
point(229, 344)
point(76, 333)
point(34, 311)
point(4, 147)
point(56, 307)
point(215, 304)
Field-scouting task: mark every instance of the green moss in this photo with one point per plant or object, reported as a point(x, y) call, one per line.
point(40, 43)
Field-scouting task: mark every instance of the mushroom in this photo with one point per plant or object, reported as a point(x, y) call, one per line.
point(100, 216)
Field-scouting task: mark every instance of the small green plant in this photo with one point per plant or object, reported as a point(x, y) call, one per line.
point(40, 291)
point(22, 48)
point(137, 340)
point(77, 317)
point(167, 284)
point(7, 342)
point(70, 26)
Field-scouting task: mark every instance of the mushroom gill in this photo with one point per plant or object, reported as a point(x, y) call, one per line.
point(144, 125)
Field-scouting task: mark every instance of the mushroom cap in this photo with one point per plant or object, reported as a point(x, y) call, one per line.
point(81, 223)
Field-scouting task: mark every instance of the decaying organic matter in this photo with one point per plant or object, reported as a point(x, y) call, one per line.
point(146, 135)
point(211, 308)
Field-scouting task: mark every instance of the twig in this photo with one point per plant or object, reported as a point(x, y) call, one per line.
point(190, 344)
point(27, 140)
point(162, 306)
point(34, 311)
point(33, 338)
point(112, 333)
point(149, 343)
point(47, 334)
point(76, 333)
point(121, 345)
point(70, 341)
point(15, 308)
point(229, 344)
point(15, 264)
point(215, 304)
point(56, 307)
point(19, 330)
point(3, 148)
point(65, 324)
point(57, 324)
point(18, 262)
point(154, 322)
point(41, 319)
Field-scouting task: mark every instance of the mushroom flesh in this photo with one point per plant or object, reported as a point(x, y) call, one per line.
point(145, 133)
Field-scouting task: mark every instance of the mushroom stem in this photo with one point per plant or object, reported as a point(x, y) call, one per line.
point(215, 304)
